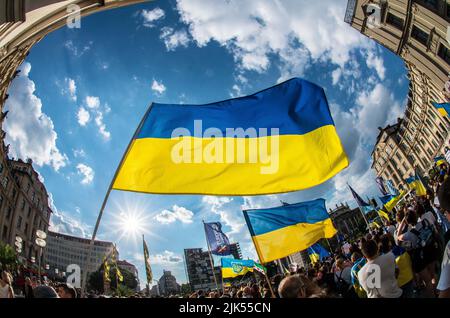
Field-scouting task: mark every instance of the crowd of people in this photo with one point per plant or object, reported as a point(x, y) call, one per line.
point(407, 257)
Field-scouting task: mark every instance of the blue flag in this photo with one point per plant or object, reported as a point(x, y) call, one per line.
point(318, 250)
point(217, 240)
point(391, 188)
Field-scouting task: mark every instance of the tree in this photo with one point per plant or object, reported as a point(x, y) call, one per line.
point(8, 255)
point(185, 289)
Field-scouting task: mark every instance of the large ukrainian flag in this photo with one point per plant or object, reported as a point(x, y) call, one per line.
point(305, 152)
point(282, 231)
point(415, 183)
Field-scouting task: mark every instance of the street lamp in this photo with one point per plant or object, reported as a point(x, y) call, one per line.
point(40, 241)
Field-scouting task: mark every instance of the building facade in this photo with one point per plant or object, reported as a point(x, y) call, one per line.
point(347, 221)
point(419, 32)
point(168, 285)
point(235, 250)
point(24, 207)
point(199, 270)
point(63, 250)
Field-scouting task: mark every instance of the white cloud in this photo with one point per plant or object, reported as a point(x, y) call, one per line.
point(78, 51)
point(30, 131)
point(86, 172)
point(173, 39)
point(294, 30)
point(177, 213)
point(377, 63)
point(62, 222)
point(158, 87)
point(83, 116)
point(151, 16)
point(92, 102)
point(69, 88)
point(166, 258)
point(101, 126)
point(79, 153)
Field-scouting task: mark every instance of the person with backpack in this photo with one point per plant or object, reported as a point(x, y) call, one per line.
point(422, 244)
point(343, 279)
point(377, 276)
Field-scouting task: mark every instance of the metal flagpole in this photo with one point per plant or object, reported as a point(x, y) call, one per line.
point(265, 274)
point(105, 200)
point(210, 258)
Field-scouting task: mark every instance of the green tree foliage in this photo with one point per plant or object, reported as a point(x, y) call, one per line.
point(8, 255)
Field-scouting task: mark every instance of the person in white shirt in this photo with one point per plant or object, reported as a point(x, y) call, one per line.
point(443, 285)
point(377, 276)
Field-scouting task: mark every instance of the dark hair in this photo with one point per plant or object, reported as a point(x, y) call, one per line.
point(369, 248)
point(411, 217)
point(444, 195)
point(384, 244)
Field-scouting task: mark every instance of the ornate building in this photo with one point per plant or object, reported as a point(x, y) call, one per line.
point(24, 207)
point(168, 285)
point(198, 270)
point(418, 31)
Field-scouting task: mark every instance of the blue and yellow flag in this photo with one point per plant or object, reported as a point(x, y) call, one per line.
point(278, 140)
point(394, 200)
point(440, 160)
point(281, 231)
point(317, 253)
point(414, 183)
point(443, 108)
point(383, 215)
point(236, 267)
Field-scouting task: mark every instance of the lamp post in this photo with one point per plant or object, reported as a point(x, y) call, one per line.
point(40, 241)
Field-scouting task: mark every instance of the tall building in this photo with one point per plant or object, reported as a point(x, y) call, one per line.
point(418, 31)
point(23, 23)
point(199, 270)
point(235, 250)
point(24, 207)
point(168, 285)
point(63, 250)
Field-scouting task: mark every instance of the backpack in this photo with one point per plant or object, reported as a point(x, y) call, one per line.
point(427, 249)
point(344, 289)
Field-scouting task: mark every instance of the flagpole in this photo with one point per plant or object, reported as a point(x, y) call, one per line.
point(360, 209)
point(105, 200)
point(210, 258)
point(265, 274)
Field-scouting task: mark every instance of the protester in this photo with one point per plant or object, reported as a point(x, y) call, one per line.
point(298, 286)
point(66, 291)
point(6, 290)
point(385, 285)
point(444, 281)
point(44, 291)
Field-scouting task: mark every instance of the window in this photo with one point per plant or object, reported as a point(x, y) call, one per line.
point(19, 222)
point(8, 214)
point(431, 3)
point(23, 204)
point(5, 232)
point(5, 182)
point(29, 212)
point(395, 21)
point(419, 35)
point(1, 167)
point(26, 228)
point(444, 53)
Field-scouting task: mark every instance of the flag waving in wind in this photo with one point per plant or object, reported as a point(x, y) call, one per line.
point(364, 206)
point(218, 241)
point(148, 268)
point(443, 108)
point(278, 140)
point(282, 231)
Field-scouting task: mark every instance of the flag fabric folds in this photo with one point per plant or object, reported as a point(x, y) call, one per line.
point(106, 271)
point(260, 268)
point(390, 205)
point(116, 267)
point(443, 108)
point(381, 186)
point(385, 199)
point(236, 267)
point(317, 253)
point(281, 231)
point(278, 140)
point(364, 206)
point(148, 268)
point(383, 215)
point(392, 190)
point(440, 160)
point(414, 183)
point(217, 240)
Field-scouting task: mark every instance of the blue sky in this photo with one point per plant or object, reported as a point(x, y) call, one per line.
point(85, 90)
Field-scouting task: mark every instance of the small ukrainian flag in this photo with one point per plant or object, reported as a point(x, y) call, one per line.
point(236, 267)
point(440, 160)
point(443, 108)
point(282, 231)
point(416, 184)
